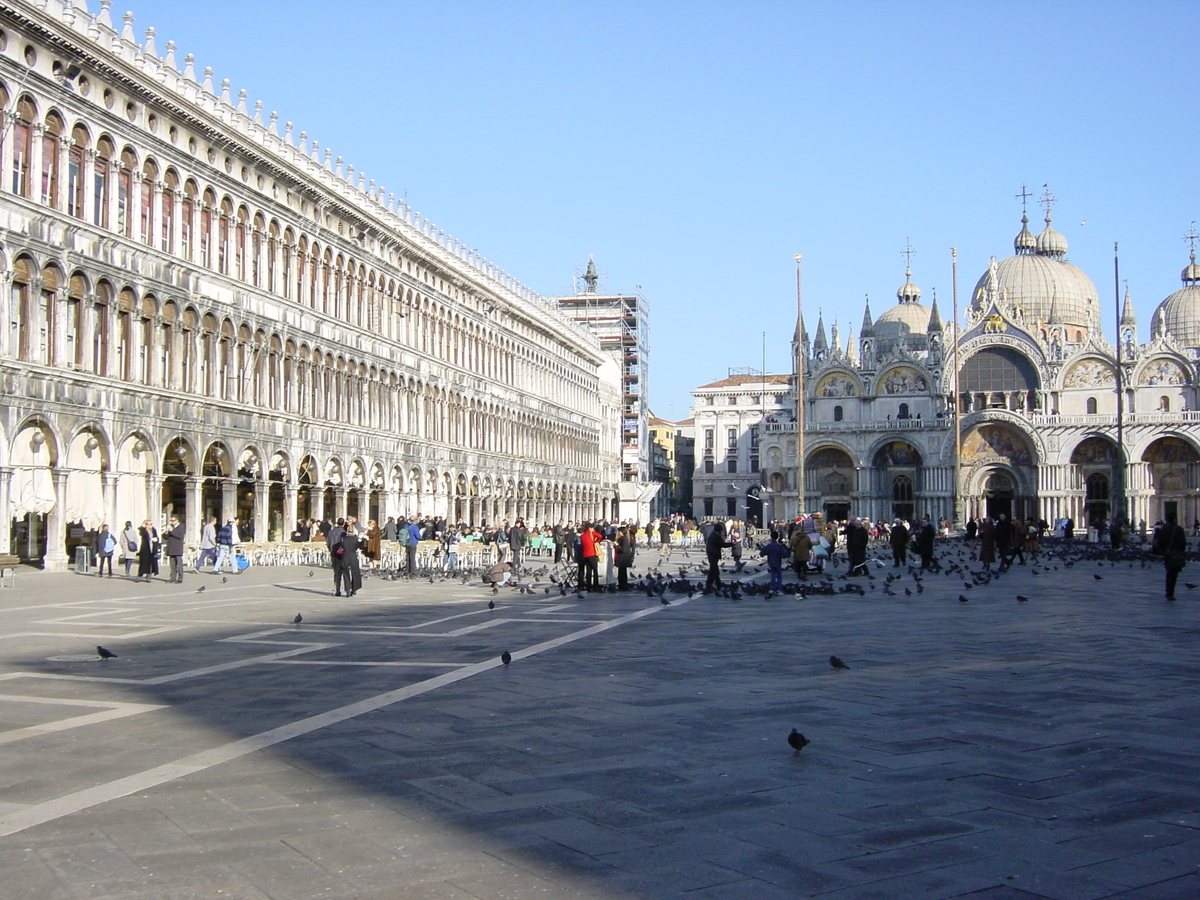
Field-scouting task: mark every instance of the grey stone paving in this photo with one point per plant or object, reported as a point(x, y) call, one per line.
point(987, 749)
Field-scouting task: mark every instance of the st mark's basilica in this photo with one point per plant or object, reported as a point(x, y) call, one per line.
point(1036, 403)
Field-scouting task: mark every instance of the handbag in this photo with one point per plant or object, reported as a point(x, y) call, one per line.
point(132, 546)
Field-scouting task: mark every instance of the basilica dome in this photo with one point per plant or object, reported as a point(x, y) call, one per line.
point(906, 322)
point(1040, 282)
point(1179, 314)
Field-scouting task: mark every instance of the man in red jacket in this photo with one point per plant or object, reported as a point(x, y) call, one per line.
point(589, 545)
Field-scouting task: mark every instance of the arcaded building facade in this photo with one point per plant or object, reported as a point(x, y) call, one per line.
point(206, 314)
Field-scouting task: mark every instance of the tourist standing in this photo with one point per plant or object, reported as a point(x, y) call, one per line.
point(626, 541)
point(899, 544)
point(175, 535)
point(1170, 542)
point(104, 545)
point(148, 548)
point(130, 541)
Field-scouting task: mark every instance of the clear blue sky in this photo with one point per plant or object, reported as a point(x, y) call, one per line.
point(695, 147)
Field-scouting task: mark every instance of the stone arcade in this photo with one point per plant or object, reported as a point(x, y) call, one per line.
point(207, 314)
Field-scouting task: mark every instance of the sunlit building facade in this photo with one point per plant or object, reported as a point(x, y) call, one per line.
point(206, 314)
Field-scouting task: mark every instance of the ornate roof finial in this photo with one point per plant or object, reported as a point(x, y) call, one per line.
point(908, 253)
point(170, 57)
point(1048, 201)
point(1191, 272)
point(1024, 195)
point(148, 48)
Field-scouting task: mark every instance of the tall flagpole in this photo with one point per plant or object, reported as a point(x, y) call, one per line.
point(799, 393)
point(954, 409)
point(1119, 496)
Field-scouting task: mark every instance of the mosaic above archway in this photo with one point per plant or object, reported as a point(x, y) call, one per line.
point(996, 442)
point(905, 380)
point(837, 384)
point(1163, 371)
point(1090, 373)
point(897, 453)
point(1170, 450)
point(1094, 451)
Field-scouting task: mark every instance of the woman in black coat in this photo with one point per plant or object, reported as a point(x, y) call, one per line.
point(353, 573)
point(148, 547)
point(624, 556)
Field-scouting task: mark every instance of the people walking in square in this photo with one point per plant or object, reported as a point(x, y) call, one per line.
point(208, 544)
point(857, 540)
point(225, 544)
point(625, 550)
point(713, 545)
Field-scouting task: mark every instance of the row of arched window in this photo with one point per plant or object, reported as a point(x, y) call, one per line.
point(95, 327)
point(88, 174)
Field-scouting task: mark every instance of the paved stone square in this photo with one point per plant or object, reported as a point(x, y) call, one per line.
point(988, 749)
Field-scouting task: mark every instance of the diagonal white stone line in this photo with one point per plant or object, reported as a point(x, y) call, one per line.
point(39, 813)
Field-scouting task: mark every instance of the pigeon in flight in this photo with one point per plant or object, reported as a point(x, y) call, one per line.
point(506, 657)
point(105, 654)
point(837, 663)
point(299, 618)
point(797, 741)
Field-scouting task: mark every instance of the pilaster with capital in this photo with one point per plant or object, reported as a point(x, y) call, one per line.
point(56, 537)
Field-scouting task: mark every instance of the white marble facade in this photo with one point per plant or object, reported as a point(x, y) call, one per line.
point(1036, 403)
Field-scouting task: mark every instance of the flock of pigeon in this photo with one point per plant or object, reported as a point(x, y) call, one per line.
point(956, 564)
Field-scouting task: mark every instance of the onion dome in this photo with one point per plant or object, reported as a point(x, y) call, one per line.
point(1025, 242)
point(908, 292)
point(1191, 272)
point(1179, 314)
point(1050, 242)
point(1041, 284)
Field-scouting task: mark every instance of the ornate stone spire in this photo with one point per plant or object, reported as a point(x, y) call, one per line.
point(1127, 317)
point(820, 344)
point(868, 324)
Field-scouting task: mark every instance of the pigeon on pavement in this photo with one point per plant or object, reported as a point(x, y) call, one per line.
point(797, 741)
point(837, 663)
point(506, 657)
point(299, 618)
point(105, 654)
